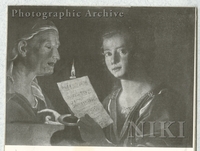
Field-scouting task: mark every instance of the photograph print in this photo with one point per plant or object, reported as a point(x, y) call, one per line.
point(101, 76)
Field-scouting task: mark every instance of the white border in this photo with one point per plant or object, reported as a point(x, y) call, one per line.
point(3, 44)
point(63, 148)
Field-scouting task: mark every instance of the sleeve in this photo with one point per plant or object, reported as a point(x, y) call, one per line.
point(13, 112)
point(164, 122)
point(18, 110)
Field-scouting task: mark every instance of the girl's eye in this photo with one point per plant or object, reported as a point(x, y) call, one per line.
point(123, 51)
point(106, 54)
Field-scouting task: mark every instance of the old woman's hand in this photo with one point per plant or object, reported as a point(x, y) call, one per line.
point(51, 117)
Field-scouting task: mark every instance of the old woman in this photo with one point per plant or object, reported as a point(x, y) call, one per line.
point(34, 53)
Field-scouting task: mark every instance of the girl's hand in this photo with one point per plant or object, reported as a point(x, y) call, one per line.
point(91, 132)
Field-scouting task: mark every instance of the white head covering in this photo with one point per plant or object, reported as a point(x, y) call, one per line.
point(28, 33)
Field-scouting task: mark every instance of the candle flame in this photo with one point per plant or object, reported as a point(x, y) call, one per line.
point(73, 75)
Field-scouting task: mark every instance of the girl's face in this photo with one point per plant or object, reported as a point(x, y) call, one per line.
point(116, 55)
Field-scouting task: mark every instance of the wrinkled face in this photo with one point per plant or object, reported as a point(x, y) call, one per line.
point(116, 55)
point(42, 52)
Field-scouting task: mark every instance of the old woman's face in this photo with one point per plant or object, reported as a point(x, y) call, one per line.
point(42, 52)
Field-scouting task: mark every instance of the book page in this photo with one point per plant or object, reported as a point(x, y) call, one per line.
point(82, 99)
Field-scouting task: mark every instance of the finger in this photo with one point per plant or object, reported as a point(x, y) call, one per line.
point(53, 123)
point(85, 130)
point(85, 121)
point(85, 127)
point(47, 118)
point(45, 110)
point(56, 114)
point(91, 120)
point(88, 117)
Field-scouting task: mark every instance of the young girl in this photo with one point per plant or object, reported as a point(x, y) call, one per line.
point(142, 109)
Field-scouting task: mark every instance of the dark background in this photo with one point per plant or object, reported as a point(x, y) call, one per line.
point(79, 38)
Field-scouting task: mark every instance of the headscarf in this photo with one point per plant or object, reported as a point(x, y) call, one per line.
point(26, 31)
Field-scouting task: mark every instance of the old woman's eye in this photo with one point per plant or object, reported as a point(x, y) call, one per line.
point(48, 46)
